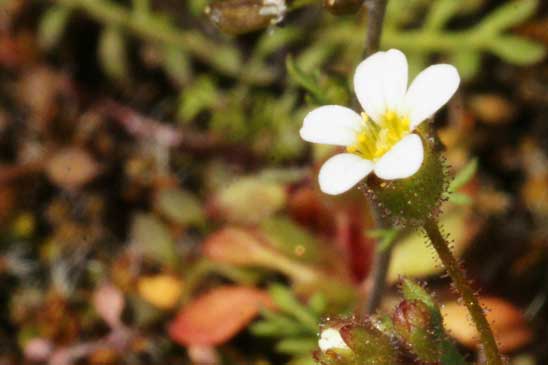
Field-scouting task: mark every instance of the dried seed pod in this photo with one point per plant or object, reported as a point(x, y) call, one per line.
point(244, 16)
point(342, 7)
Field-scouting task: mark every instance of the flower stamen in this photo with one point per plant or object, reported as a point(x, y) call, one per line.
point(374, 140)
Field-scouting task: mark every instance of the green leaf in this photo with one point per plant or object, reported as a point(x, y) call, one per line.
point(250, 200)
point(385, 236)
point(291, 239)
point(112, 53)
point(468, 62)
point(369, 345)
point(297, 346)
point(279, 325)
point(270, 42)
point(177, 65)
point(307, 82)
point(305, 359)
point(286, 301)
point(507, 15)
point(52, 26)
point(180, 206)
point(440, 13)
point(200, 95)
point(141, 7)
point(417, 62)
point(460, 199)
point(517, 50)
point(317, 304)
point(413, 291)
point(153, 240)
point(450, 355)
point(315, 56)
point(464, 176)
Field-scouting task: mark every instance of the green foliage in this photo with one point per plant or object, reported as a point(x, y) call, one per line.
point(322, 90)
point(306, 81)
point(180, 206)
point(153, 240)
point(291, 239)
point(294, 325)
point(463, 177)
point(269, 121)
point(413, 331)
point(52, 26)
point(112, 53)
point(463, 47)
point(199, 96)
point(385, 237)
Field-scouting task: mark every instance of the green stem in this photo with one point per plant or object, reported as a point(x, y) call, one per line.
point(471, 302)
point(412, 40)
point(224, 58)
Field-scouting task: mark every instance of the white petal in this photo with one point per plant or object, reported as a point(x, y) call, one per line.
point(395, 79)
point(341, 172)
point(368, 85)
point(331, 124)
point(430, 90)
point(380, 82)
point(403, 160)
point(331, 339)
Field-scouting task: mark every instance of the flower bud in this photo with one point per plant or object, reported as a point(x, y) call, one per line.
point(412, 200)
point(342, 7)
point(355, 343)
point(244, 16)
point(415, 327)
point(330, 339)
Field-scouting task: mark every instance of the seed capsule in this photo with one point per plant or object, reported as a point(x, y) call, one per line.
point(244, 16)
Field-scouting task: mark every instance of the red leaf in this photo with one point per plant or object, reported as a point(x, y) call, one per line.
point(217, 316)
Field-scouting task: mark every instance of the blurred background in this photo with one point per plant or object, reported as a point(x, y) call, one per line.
point(157, 204)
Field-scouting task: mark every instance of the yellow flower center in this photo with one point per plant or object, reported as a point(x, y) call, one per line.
point(374, 140)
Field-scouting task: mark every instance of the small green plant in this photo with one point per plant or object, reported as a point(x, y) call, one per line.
point(413, 331)
point(294, 325)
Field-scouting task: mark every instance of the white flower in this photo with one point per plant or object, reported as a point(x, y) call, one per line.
point(381, 139)
point(330, 339)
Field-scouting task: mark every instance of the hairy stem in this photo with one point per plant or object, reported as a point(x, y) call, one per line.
point(376, 281)
point(471, 302)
